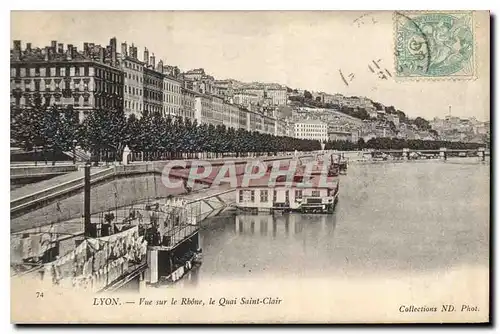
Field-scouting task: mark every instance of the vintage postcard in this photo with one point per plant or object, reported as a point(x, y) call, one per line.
point(250, 167)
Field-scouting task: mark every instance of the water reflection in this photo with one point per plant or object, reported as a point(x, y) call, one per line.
point(280, 226)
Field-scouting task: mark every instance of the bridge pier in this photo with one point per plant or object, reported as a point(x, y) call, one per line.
point(406, 153)
point(442, 153)
point(481, 153)
point(152, 270)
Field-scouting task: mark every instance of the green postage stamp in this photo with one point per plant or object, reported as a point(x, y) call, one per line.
point(434, 45)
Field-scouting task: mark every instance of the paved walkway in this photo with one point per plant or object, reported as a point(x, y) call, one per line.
point(32, 188)
point(39, 186)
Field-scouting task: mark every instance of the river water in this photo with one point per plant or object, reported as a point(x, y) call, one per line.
point(391, 219)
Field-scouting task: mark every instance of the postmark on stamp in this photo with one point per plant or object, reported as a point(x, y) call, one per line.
point(434, 45)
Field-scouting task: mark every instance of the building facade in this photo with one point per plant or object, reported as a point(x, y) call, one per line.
point(203, 109)
point(172, 96)
point(133, 80)
point(218, 110)
point(153, 90)
point(87, 80)
point(334, 135)
point(311, 129)
point(277, 96)
point(245, 98)
point(188, 100)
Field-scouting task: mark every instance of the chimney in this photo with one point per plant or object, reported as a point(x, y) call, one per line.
point(101, 54)
point(135, 52)
point(60, 48)
point(17, 45)
point(131, 51)
point(53, 46)
point(74, 52)
point(17, 49)
point(28, 47)
point(159, 68)
point(47, 53)
point(86, 49)
point(69, 53)
point(152, 58)
point(112, 43)
point(146, 56)
point(124, 50)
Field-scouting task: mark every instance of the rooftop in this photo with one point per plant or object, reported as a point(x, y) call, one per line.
point(310, 121)
point(314, 181)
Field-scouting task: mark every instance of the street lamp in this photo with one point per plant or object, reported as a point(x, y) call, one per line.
point(74, 151)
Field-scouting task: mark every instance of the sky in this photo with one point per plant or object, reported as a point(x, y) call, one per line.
point(304, 50)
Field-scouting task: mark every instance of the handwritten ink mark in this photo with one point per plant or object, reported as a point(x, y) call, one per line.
point(343, 78)
point(382, 76)
point(361, 19)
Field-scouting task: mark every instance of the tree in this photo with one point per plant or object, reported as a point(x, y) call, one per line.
point(131, 133)
point(361, 143)
point(308, 95)
point(422, 124)
point(390, 110)
point(402, 116)
point(26, 126)
point(103, 133)
point(360, 113)
point(378, 106)
point(392, 126)
point(60, 126)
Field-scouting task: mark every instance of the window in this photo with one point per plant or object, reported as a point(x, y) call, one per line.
point(252, 196)
point(287, 196)
point(263, 196)
point(298, 194)
point(315, 193)
point(241, 196)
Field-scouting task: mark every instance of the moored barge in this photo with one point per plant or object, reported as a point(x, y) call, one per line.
point(313, 191)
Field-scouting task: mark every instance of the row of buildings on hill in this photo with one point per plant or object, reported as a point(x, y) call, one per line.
point(111, 77)
point(116, 77)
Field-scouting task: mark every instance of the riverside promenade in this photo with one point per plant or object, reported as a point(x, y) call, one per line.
point(61, 199)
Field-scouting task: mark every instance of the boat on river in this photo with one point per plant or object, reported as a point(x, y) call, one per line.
point(309, 191)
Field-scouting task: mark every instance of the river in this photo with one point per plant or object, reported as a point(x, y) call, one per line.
point(391, 219)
